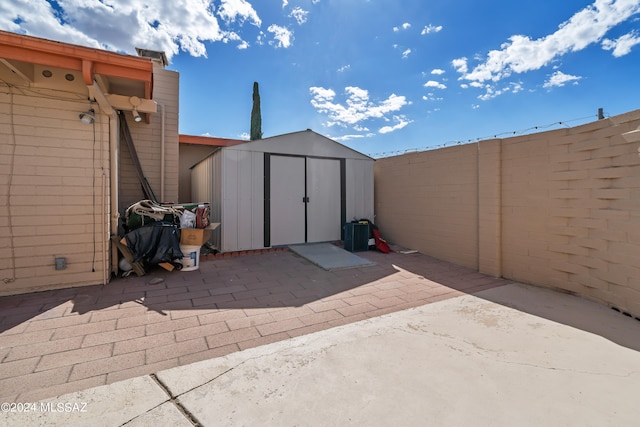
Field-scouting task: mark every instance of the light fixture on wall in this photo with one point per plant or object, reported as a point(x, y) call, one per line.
point(135, 102)
point(88, 117)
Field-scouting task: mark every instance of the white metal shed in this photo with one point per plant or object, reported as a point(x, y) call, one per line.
point(287, 189)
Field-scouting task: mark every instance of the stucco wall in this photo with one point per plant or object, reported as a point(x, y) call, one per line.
point(54, 187)
point(559, 209)
point(190, 154)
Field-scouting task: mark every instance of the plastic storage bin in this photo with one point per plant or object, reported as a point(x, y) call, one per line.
point(356, 237)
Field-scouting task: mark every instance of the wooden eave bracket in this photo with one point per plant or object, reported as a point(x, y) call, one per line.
point(121, 102)
point(25, 72)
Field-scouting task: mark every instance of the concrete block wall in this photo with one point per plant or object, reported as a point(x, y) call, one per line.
point(428, 200)
point(559, 209)
point(54, 187)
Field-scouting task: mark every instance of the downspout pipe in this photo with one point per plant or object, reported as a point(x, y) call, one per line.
point(96, 93)
point(162, 151)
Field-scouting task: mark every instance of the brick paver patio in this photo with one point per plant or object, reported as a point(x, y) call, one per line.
point(57, 342)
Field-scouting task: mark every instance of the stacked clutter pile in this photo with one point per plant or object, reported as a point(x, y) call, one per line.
point(169, 236)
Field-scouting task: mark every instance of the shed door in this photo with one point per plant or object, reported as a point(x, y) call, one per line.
point(305, 199)
point(323, 207)
point(287, 188)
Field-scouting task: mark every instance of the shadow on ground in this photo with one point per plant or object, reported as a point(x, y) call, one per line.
point(281, 279)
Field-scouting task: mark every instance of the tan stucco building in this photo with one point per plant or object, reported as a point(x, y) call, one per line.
point(65, 169)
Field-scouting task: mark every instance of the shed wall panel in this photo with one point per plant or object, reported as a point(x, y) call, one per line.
point(257, 195)
point(360, 202)
point(207, 187)
point(229, 200)
point(244, 201)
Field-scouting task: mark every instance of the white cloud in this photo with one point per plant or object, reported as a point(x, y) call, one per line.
point(401, 121)
point(433, 83)
point(123, 25)
point(431, 29)
point(406, 53)
point(285, 3)
point(460, 65)
point(437, 71)
point(431, 97)
point(237, 11)
point(622, 45)
point(356, 108)
point(404, 26)
point(492, 92)
point(516, 87)
point(559, 79)
point(521, 54)
point(299, 15)
point(321, 94)
point(283, 37)
point(344, 68)
point(360, 128)
point(344, 138)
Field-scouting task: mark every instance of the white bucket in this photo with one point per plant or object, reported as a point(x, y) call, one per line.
point(190, 257)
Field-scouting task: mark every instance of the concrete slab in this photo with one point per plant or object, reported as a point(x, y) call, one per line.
point(329, 256)
point(166, 414)
point(489, 359)
point(512, 355)
point(108, 405)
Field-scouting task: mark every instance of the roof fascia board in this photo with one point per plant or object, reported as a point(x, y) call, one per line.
point(211, 141)
point(86, 60)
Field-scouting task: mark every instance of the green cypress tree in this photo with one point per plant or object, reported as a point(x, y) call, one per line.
point(256, 118)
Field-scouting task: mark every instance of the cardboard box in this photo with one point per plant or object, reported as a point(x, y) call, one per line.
point(197, 236)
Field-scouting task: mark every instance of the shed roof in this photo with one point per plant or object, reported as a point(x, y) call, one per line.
point(306, 142)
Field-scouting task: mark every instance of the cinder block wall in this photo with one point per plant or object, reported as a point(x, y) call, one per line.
point(559, 209)
point(428, 200)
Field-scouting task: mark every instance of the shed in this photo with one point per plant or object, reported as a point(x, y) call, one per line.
point(300, 187)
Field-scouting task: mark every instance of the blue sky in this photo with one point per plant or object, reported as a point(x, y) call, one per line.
point(380, 76)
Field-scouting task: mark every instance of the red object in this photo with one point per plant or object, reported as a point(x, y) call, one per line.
point(381, 244)
point(202, 217)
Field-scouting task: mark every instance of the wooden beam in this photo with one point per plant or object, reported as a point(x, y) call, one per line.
point(22, 70)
